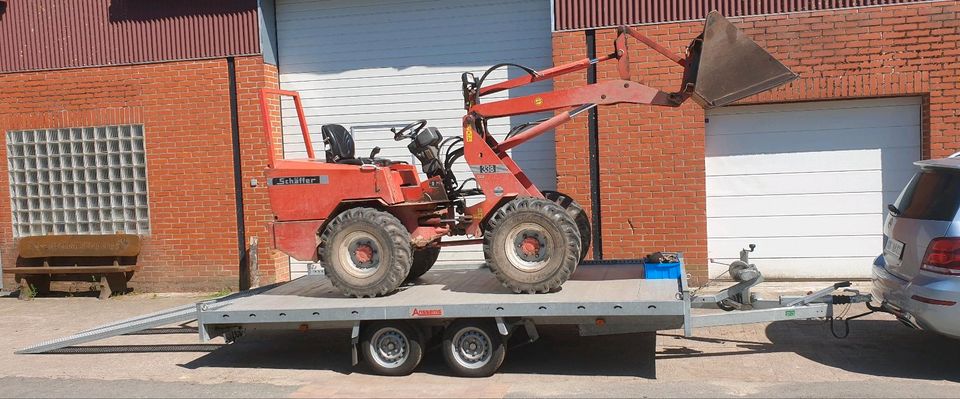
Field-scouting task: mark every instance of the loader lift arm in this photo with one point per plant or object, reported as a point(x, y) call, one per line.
point(728, 52)
point(721, 65)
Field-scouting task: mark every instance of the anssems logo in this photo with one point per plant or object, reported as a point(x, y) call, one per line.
point(437, 312)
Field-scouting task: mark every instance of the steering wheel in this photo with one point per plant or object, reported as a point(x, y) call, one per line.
point(413, 128)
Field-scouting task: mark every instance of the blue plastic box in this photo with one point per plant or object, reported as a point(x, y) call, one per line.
point(661, 270)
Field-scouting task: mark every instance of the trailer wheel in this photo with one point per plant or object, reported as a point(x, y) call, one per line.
point(473, 348)
point(365, 252)
point(391, 348)
point(579, 216)
point(531, 245)
point(423, 260)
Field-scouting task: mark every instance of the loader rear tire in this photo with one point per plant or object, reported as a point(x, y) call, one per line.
point(365, 252)
point(423, 260)
point(579, 216)
point(531, 245)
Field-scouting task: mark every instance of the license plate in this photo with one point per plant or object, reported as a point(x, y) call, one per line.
point(894, 248)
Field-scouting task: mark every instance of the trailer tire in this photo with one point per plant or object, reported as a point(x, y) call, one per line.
point(391, 348)
point(423, 260)
point(473, 348)
point(365, 252)
point(531, 245)
point(579, 216)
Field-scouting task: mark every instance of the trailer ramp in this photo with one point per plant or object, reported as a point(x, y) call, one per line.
point(179, 314)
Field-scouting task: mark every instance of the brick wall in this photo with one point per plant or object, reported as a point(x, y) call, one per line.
point(185, 110)
point(652, 159)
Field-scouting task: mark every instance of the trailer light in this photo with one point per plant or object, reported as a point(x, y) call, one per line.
point(304, 328)
point(932, 301)
point(600, 322)
point(942, 257)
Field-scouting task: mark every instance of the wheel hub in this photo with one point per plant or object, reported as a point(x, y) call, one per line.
point(363, 253)
point(360, 253)
point(530, 245)
point(472, 348)
point(391, 346)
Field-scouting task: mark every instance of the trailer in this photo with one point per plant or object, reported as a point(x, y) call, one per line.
point(474, 316)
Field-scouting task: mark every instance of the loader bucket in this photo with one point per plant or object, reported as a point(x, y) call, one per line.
point(724, 65)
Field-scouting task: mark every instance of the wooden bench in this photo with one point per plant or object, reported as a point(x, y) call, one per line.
point(110, 259)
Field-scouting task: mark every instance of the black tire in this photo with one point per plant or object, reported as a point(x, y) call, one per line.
point(579, 216)
point(360, 237)
point(531, 245)
point(423, 260)
point(473, 348)
point(391, 348)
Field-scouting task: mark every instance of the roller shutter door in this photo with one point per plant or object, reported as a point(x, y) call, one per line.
point(369, 65)
point(807, 182)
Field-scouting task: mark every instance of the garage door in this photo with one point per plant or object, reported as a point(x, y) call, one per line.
point(808, 183)
point(370, 65)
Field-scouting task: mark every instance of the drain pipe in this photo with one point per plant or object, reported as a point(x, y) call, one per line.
point(238, 176)
point(593, 128)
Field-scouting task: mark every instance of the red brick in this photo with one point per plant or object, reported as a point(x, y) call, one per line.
point(184, 107)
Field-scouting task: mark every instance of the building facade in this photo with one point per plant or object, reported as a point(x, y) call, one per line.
point(150, 91)
point(804, 171)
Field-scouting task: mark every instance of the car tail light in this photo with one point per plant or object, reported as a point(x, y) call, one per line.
point(943, 256)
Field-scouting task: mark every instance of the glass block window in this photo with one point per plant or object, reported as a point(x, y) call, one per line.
point(90, 180)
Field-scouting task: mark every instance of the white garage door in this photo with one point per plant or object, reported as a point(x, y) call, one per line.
point(373, 64)
point(807, 182)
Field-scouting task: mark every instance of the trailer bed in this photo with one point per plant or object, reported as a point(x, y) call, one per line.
point(617, 293)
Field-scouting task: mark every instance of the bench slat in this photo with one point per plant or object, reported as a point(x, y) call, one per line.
point(69, 269)
point(107, 245)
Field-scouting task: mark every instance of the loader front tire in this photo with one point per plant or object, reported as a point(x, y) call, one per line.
point(423, 260)
point(531, 245)
point(365, 252)
point(579, 216)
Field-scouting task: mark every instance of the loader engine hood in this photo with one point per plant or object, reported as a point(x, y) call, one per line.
point(723, 65)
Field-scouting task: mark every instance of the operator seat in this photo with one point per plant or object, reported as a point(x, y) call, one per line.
point(341, 148)
point(339, 143)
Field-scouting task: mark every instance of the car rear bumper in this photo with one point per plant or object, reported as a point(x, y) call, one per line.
point(892, 290)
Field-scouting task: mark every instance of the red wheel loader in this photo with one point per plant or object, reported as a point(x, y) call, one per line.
point(373, 224)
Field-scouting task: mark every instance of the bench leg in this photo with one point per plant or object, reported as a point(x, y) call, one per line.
point(105, 291)
point(24, 290)
point(31, 286)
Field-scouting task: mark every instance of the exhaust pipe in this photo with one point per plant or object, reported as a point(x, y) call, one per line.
point(723, 65)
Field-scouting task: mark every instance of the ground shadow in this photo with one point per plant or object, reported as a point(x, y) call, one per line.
point(158, 348)
point(562, 351)
point(288, 350)
point(882, 348)
point(559, 351)
point(60, 294)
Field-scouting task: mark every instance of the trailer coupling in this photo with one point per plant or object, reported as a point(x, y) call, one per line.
point(743, 307)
